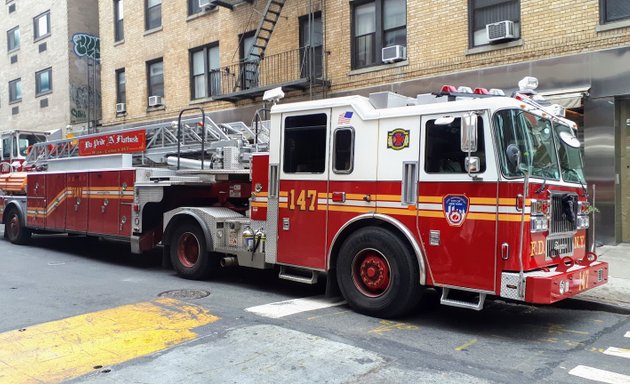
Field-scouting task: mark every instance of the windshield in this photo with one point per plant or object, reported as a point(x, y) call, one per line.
point(532, 135)
point(570, 157)
point(25, 140)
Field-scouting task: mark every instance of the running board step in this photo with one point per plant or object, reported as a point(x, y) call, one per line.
point(463, 303)
point(298, 275)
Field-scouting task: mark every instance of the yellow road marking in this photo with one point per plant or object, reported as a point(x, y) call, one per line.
point(466, 345)
point(388, 326)
point(69, 348)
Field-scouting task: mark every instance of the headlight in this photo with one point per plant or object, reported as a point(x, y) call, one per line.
point(583, 222)
point(539, 223)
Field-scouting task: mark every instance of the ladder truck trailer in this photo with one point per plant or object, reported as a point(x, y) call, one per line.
point(470, 192)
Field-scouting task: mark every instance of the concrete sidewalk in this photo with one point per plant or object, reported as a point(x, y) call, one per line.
point(617, 291)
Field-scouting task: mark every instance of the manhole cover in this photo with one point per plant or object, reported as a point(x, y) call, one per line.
point(185, 294)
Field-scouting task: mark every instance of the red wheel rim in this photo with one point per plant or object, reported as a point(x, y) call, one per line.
point(371, 273)
point(14, 226)
point(188, 249)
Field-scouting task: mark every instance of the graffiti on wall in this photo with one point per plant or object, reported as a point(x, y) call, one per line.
point(87, 45)
point(81, 97)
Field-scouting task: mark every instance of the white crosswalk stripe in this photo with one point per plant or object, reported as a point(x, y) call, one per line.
point(291, 307)
point(627, 334)
point(599, 375)
point(620, 352)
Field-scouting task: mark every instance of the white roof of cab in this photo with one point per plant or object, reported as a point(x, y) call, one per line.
point(362, 106)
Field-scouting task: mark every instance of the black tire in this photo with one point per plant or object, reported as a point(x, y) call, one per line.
point(189, 253)
point(377, 273)
point(14, 227)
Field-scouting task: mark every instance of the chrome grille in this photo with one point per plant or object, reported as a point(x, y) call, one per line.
point(560, 223)
point(559, 247)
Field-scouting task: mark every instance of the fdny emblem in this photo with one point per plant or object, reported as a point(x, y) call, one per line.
point(398, 139)
point(455, 209)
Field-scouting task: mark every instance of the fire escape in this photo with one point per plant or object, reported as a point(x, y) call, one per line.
point(256, 72)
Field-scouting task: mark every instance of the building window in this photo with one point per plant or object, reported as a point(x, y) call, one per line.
point(121, 88)
point(119, 27)
point(305, 143)
point(15, 90)
point(155, 74)
point(41, 25)
point(249, 63)
point(484, 12)
point(614, 10)
point(311, 43)
point(13, 39)
point(204, 72)
point(153, 14)
point(43, 82)
point(375, 25)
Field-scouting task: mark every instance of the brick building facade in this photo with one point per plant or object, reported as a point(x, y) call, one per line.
point(46, 81)
point(578, 50)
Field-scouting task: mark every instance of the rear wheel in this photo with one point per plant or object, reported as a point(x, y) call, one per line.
point(14, 227)
point(189, 253)
point(377, 273)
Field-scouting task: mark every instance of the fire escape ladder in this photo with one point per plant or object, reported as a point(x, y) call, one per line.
point(251, 62)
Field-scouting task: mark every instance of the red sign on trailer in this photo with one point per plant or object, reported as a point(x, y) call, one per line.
point(121, 142)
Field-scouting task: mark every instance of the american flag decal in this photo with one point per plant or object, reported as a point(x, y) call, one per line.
point(344, 118)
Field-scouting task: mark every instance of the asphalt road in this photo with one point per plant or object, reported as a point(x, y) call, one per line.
point(86, 311)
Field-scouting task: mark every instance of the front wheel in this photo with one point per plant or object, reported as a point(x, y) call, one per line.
point(377, 273)
point(14, 229)
point(189, 253)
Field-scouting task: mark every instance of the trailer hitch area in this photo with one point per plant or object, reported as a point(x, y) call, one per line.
point(588, 259)
point(565, 264)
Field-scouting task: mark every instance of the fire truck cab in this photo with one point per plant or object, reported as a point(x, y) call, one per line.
point(14, 146)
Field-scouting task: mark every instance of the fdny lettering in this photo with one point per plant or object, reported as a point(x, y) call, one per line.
point(304, 200)
point(455, 209)
point(579, 242)
point(583, 280)
point(537, 248)
point(398, 139)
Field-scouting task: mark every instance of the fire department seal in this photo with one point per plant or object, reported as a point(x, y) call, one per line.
point(398, 139)
point(455, 209)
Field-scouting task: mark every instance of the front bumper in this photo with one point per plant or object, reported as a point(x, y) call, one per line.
point(555, 284)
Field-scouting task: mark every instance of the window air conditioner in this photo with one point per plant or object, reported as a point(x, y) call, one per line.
point(394, 53)
point(503, 30)
point(121, 108)
point(155, 101)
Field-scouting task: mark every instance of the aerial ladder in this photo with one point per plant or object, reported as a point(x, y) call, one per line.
point(184, 138)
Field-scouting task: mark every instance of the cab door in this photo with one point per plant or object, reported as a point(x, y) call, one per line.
point(303, 189)
point(457, 212)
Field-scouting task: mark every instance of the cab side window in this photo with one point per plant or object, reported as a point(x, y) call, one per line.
point(443, 152)
point(305, 143)
point(6, 148)
point(343, 150)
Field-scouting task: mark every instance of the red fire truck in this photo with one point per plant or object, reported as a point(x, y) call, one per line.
point(472, 193)
point(14, 146)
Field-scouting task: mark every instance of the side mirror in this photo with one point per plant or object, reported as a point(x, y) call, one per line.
point(472, 164)
point(513, 156)
point(469, 132)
